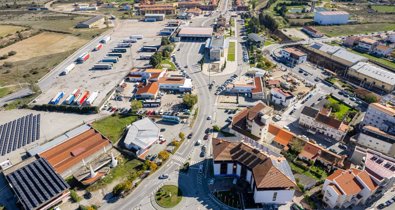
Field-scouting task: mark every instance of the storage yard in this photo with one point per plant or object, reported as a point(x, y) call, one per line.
point(97, 68)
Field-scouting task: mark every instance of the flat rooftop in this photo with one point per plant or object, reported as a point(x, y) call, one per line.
point(375, 72)
point(196, 31)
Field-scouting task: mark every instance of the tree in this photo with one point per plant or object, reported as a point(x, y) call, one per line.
point(190, 100)
point(136, 105)
point(165, 41)
point(118, 189)
point(153, 166)
point(216, 128)
point(156, 59)
point(181, 135)
point(74, 196)
point(297, 145)
point(164, 155)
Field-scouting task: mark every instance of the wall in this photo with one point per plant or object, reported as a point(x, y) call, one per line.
point(283, 196)
point(217, 168)
point(373, 143)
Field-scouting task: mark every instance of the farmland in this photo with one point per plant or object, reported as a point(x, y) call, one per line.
point(344, 30)
point(384, 8)
point(9, 29)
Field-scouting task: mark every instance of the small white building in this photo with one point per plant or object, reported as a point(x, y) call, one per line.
point(346, 188)
point(268, 173)
point(280, 97)
point(180, 84)
point(293, 56)
point(366, 44)
point(331, 17)
point(141, 135)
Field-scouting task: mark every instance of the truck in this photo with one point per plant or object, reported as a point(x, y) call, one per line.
point(149, 49)
point(98, 47)
point(105, 39)
point(171, 119)
point(129, 41)
point(57, 98)
point(76, 92)
point(69, 100)
point(119, 55)
point(145, 57)
point(124, 45)
point(110, 60)
point(83, 57)
point(68, 69)
point(82, 98)
point(136, 37)
point(119, 50)
point(92, 98)
point(102, 66)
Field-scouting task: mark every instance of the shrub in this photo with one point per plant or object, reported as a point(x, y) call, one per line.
point(181, 135)
point(153, 166)
point(216, 128)
point(164, 155)
point(11, 53)
point(3, 57)
point(74, 196)
point(8, 64)
point(118, 189)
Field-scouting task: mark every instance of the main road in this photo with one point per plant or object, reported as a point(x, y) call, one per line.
point(195, 195)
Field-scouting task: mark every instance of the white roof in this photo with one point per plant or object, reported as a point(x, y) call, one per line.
point(142, 133)
point(329, 13)
point(375, 72)
point(325, 47)
point(187, 84)
point(349, 56)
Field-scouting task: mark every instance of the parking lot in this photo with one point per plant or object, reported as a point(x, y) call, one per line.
point(103, 81)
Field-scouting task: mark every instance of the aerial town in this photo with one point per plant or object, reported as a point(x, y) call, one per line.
point(197, 104)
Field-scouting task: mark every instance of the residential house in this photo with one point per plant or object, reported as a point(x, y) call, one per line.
point(313, 152)
point(380, 116)
point(323, 123)
point(351, 41)
point(382, 50)
point(194, 11)
point(149, 91)
point(141, 135)
point(279, 137)
point(189, 4)
point(313, 32)
point(252, 122)
point(366, 44)
point(347, 188)
point(254, 87)
point(281, 97)
point(293, 56)
point(267, 173)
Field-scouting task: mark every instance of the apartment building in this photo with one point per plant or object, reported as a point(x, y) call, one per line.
point(281, 97)
point(376, 139)
point(323, 123)
point(380, 116)
point(346, 188)
point(293, 56)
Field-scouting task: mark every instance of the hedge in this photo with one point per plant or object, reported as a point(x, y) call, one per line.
point(67, 109)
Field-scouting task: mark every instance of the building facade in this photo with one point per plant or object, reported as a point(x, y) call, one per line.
point(373, 138)
point(380, 116)
point(331, 17)
point(280, 97)
point(293, 56)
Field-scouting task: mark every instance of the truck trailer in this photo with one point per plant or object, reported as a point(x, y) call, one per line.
point(57, 98)
point(68, 69)
point(119, 55)
point(98, 47)
point(105, 39)
point(129, 41)
point(102, 66)
point(124, 45)
point(110, 60)
point(82, 98)
point(119, 50)
point(69, 100)
point(83, 57)
point(136, 37)
point(92, 98)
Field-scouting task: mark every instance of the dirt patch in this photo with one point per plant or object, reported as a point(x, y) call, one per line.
point(9, 29)
point(42, 44)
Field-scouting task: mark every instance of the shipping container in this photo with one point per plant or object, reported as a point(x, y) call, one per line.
point(68, 69)
point(105, 39)
point(83, 57)
point(83, 98)
point(102, 66)
point(98, 47)
point(129, 41)
point(110, 60)
point(69, 100)
point(57, 98)
point(119, 55)
point(119, 50)
point(136, 37)
point(92, 98)
point(123, 45)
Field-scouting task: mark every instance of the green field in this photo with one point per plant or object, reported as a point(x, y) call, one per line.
point(112, 127)
point(384, 8)
point(168, 196)
point(4, 92)
point(9, 29)
point(343, 108)
point(343, 30)
point(232, 51)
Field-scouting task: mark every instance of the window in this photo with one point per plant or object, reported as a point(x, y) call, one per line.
point(274, 196)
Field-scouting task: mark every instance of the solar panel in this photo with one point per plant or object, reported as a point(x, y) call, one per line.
point(38, 179)
point(26, 189)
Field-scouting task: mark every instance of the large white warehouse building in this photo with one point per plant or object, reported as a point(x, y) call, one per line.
point(331, 17)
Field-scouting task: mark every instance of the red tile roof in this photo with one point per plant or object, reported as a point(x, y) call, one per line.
point(151, 88)
point(347, 182)
point(282, 136)
point(310, 151)
point(258, 85)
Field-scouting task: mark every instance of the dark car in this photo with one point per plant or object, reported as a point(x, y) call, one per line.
point(153, 157)
point(207, 130)
point(190, 136)
point(381, 206)
point(206, 137)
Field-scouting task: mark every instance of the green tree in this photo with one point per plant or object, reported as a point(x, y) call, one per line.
point(190, 100)
point(164, 155)
point(165, 41)
point(74, 196)
point(216, 128)
point(136, 105)
point(156, 59)
point(118, 189)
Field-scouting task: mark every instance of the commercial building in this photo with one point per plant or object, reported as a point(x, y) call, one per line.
point(194, 11)
point(179, 84)
point(373, 138)
point(293, 56)
point(215, 46)
point(252, 122)
point(195, 32)
point(189, 4)
point(151, 75)
point(380, 167)
point(71, 155)
point(331, 17)
point(149, 91)
point(92, 22)
point(36, 184)
point(281, 97)
point(323, 123)
point(252, 87)
point(154, 17)
point(167, 9)
point(372, 76)
point(268, 174)
point(380, 116)
point(347, 188)
point(312, 32)
point(141, 135)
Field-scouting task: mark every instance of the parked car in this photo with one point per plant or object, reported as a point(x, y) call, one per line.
point(163, 176)
point(206, 136)
point(190, 136)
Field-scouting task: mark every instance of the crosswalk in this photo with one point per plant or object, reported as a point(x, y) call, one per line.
point(180, 159)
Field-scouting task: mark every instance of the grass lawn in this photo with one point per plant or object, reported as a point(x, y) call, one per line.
point(4, 92)
point(9, 29)
point(167, 64)
point(383, 8)
point(122, 171)
point(344, 108)
point(373, 58)
point(342, 30)
point(232, 51)
point(112, 127)
point(229, 198)
point(168, 196)
point(298, 170)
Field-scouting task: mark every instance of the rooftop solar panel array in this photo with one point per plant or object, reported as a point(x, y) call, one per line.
point(36, 184)
point(18, 133)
